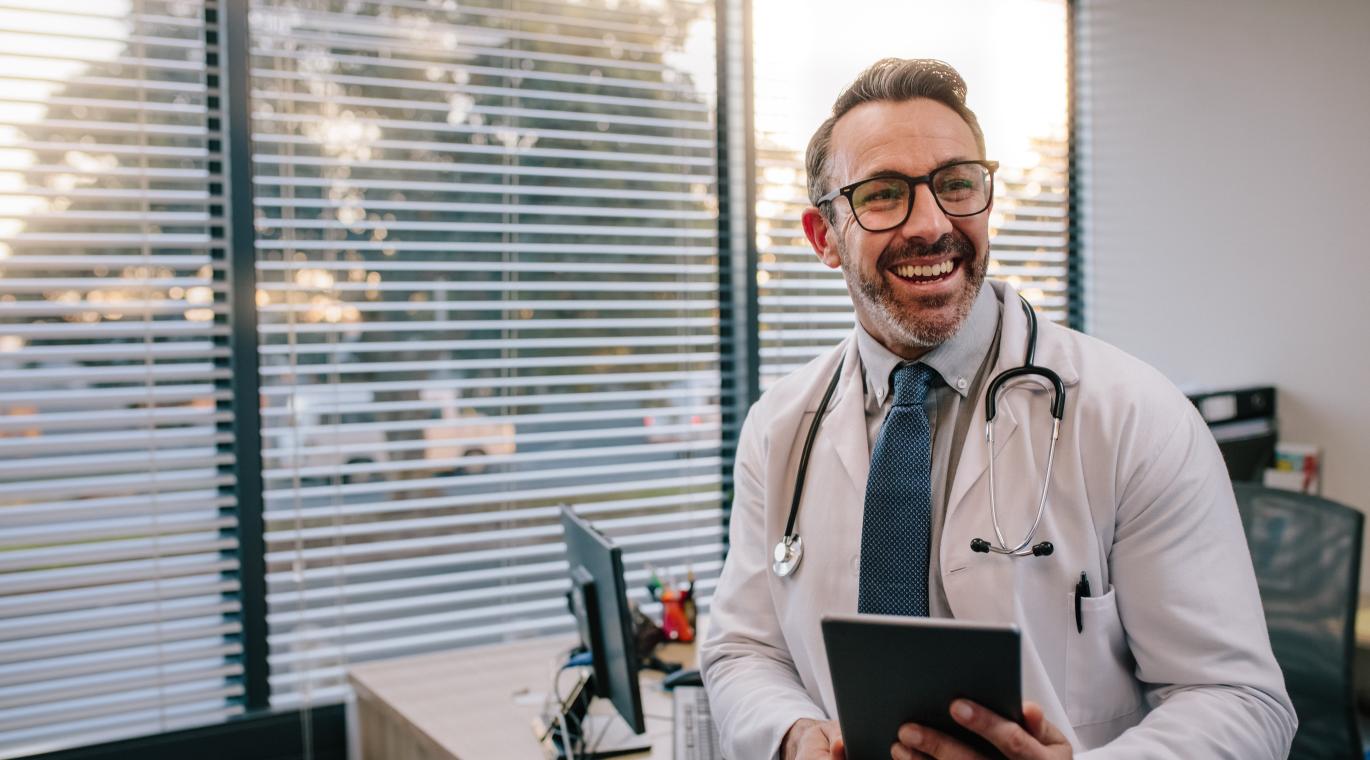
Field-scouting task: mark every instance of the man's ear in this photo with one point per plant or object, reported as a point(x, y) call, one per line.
point(822, 237)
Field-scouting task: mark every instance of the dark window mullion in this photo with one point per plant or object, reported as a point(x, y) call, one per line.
point(227, 63)
point(737, 304)
point(1075, 276)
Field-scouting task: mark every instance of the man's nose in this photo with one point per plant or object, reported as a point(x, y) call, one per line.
point(926, 220)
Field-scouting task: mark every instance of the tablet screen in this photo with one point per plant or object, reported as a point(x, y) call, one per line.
point(887, 671)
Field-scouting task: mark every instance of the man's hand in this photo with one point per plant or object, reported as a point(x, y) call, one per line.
point(1036, 740)
point(813, 740)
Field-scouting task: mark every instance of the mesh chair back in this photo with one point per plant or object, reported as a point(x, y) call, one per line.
point(1306, 551)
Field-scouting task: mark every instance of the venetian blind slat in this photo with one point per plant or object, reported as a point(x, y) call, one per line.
point(487, 266)
point(119, 614)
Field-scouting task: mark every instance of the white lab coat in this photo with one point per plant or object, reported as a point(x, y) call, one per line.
point(1174, 660)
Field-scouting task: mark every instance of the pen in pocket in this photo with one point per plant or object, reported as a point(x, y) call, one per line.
point(1081, 592)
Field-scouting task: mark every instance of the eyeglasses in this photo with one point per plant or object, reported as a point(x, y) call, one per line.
point(884, 202)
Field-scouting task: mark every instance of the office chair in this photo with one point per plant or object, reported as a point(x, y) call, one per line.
point(1306, 552)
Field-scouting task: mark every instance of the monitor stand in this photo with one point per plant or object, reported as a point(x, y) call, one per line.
point(590, 736)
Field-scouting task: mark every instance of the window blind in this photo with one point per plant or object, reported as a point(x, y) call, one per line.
point(487, 254)
point(118, 607)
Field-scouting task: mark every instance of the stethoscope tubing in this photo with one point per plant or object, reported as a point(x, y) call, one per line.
point(801, 476)
point(790, 549)
point(1058, 408)
point(1021, 549)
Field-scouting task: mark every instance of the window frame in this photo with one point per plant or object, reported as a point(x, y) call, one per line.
point(227, 69)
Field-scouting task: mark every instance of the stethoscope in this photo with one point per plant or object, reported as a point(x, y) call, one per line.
point(789, 551)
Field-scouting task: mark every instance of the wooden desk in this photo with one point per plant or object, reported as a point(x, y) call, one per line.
point(480, 703)
point(1361, 666)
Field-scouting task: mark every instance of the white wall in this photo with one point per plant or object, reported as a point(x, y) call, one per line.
point(1227, 204)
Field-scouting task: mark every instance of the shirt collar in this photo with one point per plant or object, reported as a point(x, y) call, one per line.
point(956, 360)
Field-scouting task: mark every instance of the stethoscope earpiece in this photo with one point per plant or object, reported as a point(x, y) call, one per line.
point(1043, 549)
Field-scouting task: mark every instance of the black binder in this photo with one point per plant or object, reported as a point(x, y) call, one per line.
point(1244, 424)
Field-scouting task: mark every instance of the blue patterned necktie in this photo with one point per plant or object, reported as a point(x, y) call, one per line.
point(896, 529)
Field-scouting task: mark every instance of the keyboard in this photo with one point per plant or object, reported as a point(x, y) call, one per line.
point(695, 737)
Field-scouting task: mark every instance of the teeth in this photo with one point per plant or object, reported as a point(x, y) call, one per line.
point(925, 271)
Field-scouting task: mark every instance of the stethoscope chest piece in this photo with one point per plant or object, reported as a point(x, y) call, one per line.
point(788, 552)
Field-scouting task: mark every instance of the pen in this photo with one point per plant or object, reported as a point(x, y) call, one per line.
point(1081, 591)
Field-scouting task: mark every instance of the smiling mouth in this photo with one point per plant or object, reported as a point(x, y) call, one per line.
point(926, 273)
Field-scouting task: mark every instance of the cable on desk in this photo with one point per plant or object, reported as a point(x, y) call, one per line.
point(568, 735)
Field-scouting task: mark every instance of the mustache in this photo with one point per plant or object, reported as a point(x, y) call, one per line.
point(951, 243)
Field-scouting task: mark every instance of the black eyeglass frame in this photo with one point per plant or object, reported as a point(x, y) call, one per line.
point(848, 190)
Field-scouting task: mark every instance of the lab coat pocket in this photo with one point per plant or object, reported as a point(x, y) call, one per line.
point(1100, 685)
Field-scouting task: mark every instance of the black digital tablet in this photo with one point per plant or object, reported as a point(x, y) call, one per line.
point(887, 671)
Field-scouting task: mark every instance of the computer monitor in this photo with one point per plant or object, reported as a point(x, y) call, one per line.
point(599, 600)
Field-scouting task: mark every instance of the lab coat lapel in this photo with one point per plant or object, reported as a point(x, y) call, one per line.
point(846, 424)
point(975, 458)
point(1013, 335)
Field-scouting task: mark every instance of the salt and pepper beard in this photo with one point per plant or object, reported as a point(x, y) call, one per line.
point(903, 321)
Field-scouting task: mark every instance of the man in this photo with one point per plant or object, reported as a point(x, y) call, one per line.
point(1169, 656)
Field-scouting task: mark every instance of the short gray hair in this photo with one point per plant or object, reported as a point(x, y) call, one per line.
point(895, 80)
